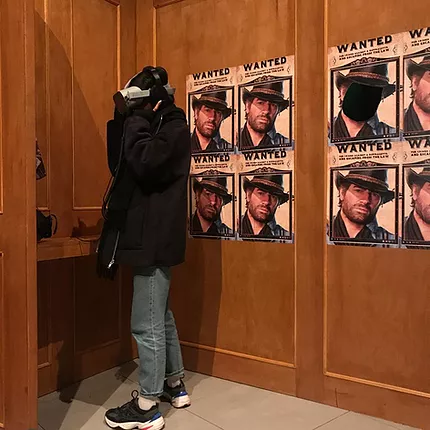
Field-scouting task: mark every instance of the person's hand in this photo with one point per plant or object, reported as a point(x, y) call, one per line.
point(157, 106)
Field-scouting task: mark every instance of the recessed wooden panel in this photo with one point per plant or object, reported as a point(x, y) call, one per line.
point(235, 296)
point(377, 300)
point(251, 372)
point(377, 321)
point(162, 3)
point(42, 97)
point(393, 17)
point(1, 339)
point(59, 90)
point(44, 313)
point(187, 41)
point(256, 313)
point(1, 125)
point(95, 80)
point(97, 307)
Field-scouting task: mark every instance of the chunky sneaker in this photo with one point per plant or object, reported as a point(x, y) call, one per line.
point(177, 396)
point(130, 416)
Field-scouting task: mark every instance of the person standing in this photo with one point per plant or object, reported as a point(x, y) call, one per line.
point(145, 227)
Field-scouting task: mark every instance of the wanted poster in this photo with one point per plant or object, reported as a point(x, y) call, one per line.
point(265, 197)
point(265, 104)
point(364, 90)
point(210, 108)
point(415, 204)
point(363, 197)
point(211, 196)
point(416, 75)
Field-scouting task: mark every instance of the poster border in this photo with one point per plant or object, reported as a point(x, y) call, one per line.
point(211, 173)
point(233, 120)
point(409, 243)
point(360, 242)
point(412, 134)
point(394, 136)
point(290, 108)
point(290, 202)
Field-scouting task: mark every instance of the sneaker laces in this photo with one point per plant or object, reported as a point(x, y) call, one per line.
point(129, 405)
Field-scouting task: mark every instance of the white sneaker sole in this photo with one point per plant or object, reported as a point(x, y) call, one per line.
point(181, 402)
point(158, 424)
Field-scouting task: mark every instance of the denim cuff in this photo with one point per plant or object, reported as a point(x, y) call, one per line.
point(179, 373)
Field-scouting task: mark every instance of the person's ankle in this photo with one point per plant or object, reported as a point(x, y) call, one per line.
point(173, 381)
point(146, 403)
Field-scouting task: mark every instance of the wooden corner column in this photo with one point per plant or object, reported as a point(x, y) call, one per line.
point(310, 195)
point(18, 293)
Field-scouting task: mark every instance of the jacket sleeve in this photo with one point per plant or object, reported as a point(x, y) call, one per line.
point(150, 157)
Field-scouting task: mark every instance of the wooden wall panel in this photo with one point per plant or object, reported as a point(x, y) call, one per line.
point(230, 303)
point(44, 314)
point(310, 194)
point(42, 98)
point(97, 305)
point(377, 299)
point(1, 341)
point(93, 87)
point(59, 94)
point(18, 404)
point(377, 322)
point(83, 322)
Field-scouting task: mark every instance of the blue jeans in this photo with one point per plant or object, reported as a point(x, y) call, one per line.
point(154, 329)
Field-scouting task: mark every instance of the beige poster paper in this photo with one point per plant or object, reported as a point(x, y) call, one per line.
point(416, 75)
point(265, 190)
point(210, 110)
point(212, 196)
point(374, 63)
point(415, 202)
point(265, 104)
point(363, 198)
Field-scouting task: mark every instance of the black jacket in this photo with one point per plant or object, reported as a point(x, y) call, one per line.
point(148, 209)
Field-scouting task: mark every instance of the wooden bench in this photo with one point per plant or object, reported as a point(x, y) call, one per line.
point(66, 247)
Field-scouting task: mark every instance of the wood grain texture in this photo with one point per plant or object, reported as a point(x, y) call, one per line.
point(42, 98)
point(372, 332)
point(144, 33)
point(378, 300)
point(2, 351)
point(59, 92)
point(17, 225)
point(84, 68)
point(310, 166)
point(98, 307)
point(240, 296)
point(163, 3)
point(242, 370)
point(58, 248)
point(92, 107)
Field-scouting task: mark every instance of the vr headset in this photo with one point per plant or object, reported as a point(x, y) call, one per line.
point(131, 97)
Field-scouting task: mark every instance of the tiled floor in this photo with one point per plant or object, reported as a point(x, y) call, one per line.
point(217, 404)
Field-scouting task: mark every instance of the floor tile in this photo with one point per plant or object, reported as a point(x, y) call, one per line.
point(238, 407)
point(395, 425)
point(73, 408)
point(198, 385)
point(216, 404)
point(353, 421)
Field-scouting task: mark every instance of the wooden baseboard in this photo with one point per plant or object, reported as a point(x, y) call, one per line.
point(266, 375)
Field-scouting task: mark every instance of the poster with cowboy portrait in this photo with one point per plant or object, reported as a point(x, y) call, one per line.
point(210, 108)
point(416, 98)
point(211, 205)
point(364, 90)
point(265, 205)
point(363, 204)
point(415, 204)
point(265, 105)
